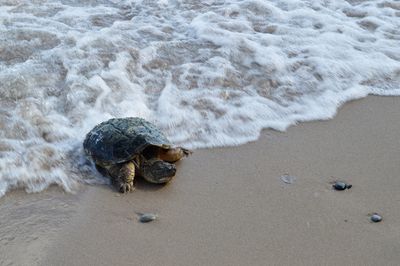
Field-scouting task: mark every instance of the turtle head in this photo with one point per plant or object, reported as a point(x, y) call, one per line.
point(157, 171)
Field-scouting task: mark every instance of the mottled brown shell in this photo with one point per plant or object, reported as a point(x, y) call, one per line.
point(119, 140)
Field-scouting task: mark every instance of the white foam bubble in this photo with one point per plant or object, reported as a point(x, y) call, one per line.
point(208, 73)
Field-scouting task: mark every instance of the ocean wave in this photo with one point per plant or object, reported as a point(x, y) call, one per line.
point(208, 73)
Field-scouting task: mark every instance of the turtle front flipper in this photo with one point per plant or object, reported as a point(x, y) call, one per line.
point(122, 176)
point(173, 154)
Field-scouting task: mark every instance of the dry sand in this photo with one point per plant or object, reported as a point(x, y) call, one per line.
point(228, 206)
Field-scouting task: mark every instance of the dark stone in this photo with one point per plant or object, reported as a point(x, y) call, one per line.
point(147, 217)
point(340, 186)
point(376, 218)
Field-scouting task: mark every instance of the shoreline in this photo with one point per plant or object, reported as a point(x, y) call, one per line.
point(228, 206)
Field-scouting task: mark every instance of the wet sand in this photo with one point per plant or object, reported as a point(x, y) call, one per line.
point(228, 206)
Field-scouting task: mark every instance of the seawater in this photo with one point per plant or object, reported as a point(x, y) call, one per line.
point(208, 73)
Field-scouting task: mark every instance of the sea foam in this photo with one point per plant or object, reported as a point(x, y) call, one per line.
point(208, 73)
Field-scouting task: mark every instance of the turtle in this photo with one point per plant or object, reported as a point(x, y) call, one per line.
point(123, 148)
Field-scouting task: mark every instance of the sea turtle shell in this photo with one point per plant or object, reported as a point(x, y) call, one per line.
point(119, 140)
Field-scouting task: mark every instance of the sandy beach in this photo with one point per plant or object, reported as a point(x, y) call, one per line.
point(229, 206)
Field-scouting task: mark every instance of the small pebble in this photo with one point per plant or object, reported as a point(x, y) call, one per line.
point(376, 218)
point(340, 186)
point(147, 217)
point(288, 179)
